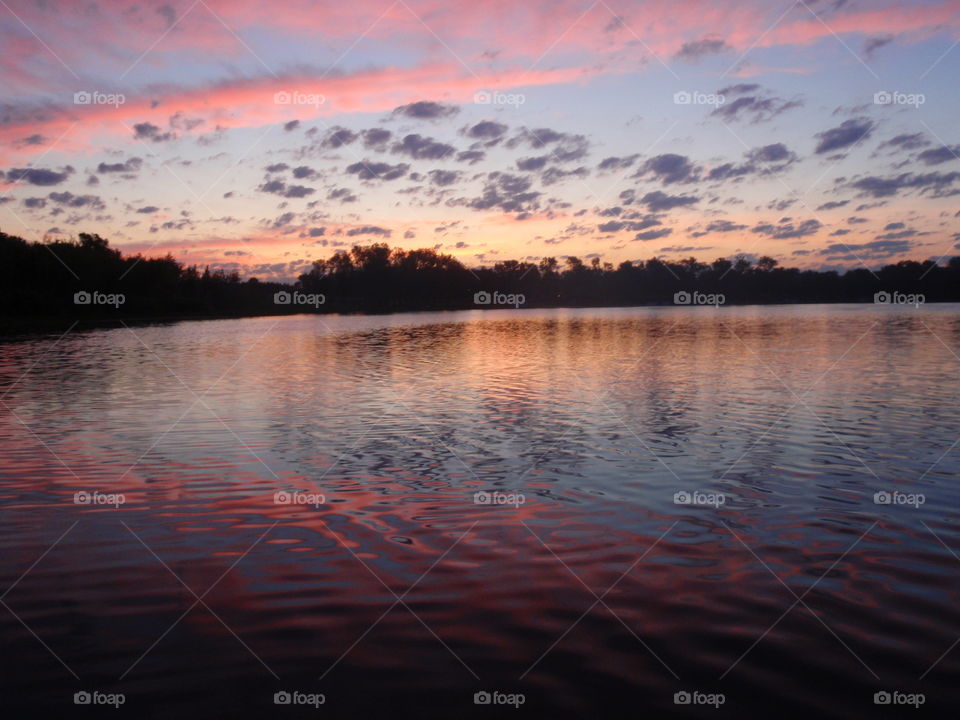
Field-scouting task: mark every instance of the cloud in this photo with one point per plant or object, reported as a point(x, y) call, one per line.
point(367, 170)
point(616, 23)
point(739, 89)
point(872, 44)
point(426, 110)
point(696, 50)
point(646, 221)
point(151, 132)
point(39, 176)
point(172, 225)
point(751, 103)
point(850, 132)
point(132, 165)
point(553, 175)
point(180, 121)
point(292, 125)
point(337, 136)
point(536, 138)
point(443, 178)
point(653, 234)
point(68, 199)
point(284, 220)
point(724, 226)
point(833, 204)
point(304, 173)
point(277, 167)
point(899, 235)
point(169, 15)
point(509, 193)
point(730, 171)
point(909, 141)
point(685, 248)
point(658, 201)
point(422, 148)
point(235, 101)
point(880, 187)
point(759, 160)
point(148, 210)
point(32, 140)
point(278, 187)
point(567, 146)
point(940, 155)
point(617, 163)
point(532, 164)
point(776, 152)
point(670, 168)
point(875, 250)
point(368, 230)
point(786, 230)
point(298, 191)
point(486, 130)
point(273, 186)
point(344, 195)
point(471, 157)
point(375, 138)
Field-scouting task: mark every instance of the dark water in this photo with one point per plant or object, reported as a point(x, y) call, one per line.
point(597, 595)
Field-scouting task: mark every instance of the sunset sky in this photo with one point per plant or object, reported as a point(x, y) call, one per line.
point(261, 136)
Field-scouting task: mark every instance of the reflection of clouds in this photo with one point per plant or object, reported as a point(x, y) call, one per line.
point(598, 417)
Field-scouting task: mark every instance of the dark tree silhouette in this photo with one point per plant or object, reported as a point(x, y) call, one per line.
point(38, 282)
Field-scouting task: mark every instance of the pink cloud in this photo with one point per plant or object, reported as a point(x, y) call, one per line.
point(804, 28)
point(137, 41)
point(253, 103)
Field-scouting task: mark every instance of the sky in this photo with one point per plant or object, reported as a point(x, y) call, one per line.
point(259, 137)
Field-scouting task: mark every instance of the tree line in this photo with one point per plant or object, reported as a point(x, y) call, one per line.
point(85, 279)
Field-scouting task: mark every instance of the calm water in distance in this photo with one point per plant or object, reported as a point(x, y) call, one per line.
point(388, 584)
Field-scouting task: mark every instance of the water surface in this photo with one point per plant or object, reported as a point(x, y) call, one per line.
point(202, 595)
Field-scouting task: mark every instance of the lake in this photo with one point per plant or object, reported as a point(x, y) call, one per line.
point(589, 511)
